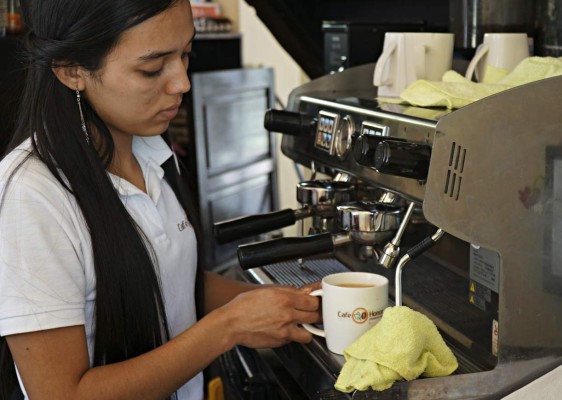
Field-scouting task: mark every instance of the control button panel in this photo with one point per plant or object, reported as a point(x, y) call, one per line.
point(325, 131)
point(373, 129)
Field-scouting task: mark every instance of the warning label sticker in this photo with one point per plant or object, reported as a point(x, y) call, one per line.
point(485, 267)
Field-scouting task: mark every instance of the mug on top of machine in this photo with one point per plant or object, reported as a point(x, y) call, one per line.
point(352, 303)
point(409, 56)
point(498, 51)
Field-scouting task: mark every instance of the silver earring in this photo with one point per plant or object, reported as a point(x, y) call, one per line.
point(82, 117)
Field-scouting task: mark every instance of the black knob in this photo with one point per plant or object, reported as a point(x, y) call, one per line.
point(290, 123)
point(410, 160)
point(364, 149)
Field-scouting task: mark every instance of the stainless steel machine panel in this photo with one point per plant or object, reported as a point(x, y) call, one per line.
point(492, 182)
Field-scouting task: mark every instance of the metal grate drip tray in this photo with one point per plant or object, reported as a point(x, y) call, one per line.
point(298, 274)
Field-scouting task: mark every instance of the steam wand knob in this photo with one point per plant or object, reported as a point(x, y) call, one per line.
point(410, 160)
point(364, 149)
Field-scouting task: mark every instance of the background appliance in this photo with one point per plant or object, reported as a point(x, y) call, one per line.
point(470, 19)
point(351, 43)
point(297, 24)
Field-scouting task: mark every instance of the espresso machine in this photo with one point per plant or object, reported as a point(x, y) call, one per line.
point(474, 244)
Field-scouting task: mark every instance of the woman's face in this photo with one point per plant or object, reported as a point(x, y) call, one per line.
point(140, 86)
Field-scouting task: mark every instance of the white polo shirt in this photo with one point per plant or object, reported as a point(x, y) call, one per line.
point(47, 277)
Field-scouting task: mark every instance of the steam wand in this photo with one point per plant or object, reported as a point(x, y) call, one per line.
point(412, 253)
point(392, 248)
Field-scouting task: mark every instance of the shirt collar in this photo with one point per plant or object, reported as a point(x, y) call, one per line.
point(151, 147)
point(151, 153)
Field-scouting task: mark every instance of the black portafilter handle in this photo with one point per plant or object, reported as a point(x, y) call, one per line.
point(234, 229)
point(289, 123)
point(272, 251)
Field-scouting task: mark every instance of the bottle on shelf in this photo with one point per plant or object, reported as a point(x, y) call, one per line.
point(3, 17)
point(14, 21)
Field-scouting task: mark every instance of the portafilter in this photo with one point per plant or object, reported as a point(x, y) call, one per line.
point(318, 198)
point(367, 223)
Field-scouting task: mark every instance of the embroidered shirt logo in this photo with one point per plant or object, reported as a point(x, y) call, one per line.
point(183, 224)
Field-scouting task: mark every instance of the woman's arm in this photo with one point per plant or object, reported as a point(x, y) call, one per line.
point(220, 290)
point(53, 363)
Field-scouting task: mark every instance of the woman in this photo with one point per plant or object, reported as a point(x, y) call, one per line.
point(96, 280)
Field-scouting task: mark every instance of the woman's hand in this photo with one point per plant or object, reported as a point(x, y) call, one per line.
point(313, 286)
point(270, 316)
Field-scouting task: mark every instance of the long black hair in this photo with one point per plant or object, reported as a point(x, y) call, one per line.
point(129, 312)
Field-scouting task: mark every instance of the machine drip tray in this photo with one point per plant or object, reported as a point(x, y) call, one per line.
point(300, 273)
point(435, 293)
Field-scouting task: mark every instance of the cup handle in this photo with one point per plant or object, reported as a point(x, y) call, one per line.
point(312, 329)
point(481, 50)
point(420, 52)
point(381, 65)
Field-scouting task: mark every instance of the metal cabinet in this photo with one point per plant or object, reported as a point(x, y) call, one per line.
point(231, 151)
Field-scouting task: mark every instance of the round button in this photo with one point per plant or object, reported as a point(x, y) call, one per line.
point(364, 149)
point(344, 135)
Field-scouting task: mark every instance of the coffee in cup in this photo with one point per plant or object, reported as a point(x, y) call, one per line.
point(352, 303)
point(409, 56)
point(355, 285)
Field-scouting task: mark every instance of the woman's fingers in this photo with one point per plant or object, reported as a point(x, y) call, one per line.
point(312, 286)
point(300, 335)
point(305, 317)
point(307, 303)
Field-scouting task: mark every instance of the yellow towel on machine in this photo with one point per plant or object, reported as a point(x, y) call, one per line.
point(405, 344)
point(455, 91)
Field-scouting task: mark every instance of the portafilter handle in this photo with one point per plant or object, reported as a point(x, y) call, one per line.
point(272, 251)
point(237, 228)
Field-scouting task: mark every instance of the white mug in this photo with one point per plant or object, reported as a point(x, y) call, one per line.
point(498, 50)
point(409, 56)
point(352, 303)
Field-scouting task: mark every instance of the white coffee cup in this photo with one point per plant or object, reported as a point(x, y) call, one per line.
point(352, 303)
point(409, 56)
point(498, 50)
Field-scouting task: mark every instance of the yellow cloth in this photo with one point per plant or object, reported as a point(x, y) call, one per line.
point(403, 345)
point(455, 91)
point(494, 74)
